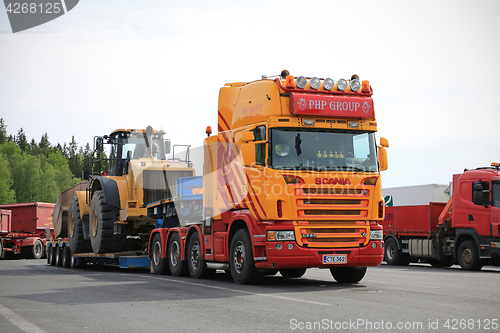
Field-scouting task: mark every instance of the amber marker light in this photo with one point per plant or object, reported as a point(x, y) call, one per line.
point(290, 81)
point(208, 130)
point(365, 86)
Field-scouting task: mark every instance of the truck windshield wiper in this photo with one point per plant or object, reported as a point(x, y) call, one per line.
point(345, 168)
point(298, 141)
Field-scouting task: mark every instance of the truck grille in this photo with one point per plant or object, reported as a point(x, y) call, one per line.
point(332, 216)
point(160, 184)
point(341, 233)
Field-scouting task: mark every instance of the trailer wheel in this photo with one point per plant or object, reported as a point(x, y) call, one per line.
point(241, 262)
point(37, 250)
point(77, 243)
point(66, 257)
point(102, 219)
point(196, 260)
point(159, 264)
point(53, 255)
point(292, 272)
point(348, 274)
point(59, 255)
point(177, 266)
point(468, 256)
point(49, 255)
point(2, 251)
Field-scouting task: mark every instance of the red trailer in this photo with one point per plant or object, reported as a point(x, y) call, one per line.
point(23, 229)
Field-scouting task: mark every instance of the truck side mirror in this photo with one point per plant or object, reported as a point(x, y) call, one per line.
point(382, 159)
point(384, 142)
point(246, 137)
point(248, 153)
point(167, 146)
point(480, 195)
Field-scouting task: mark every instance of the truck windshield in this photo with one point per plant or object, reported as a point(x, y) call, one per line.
point(323, 149)
point(134, 147)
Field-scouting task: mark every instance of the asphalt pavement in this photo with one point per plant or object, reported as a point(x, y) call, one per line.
point(38, 298)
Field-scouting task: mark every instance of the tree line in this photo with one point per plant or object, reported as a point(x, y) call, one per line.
point(38, 171)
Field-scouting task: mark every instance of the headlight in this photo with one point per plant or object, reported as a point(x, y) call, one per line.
point(328, 83)
point(301, 82)
point(315, 83)
point(376, 234)
point(355, 85)
point(287, 235)
point(341, 84)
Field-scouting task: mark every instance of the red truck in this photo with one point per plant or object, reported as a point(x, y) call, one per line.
point(466, 229)
point(23, 229)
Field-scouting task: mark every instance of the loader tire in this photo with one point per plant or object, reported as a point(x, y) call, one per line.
point(77, 243)
point(102, 219)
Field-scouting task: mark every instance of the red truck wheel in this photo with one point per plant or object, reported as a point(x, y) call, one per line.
point(292, 272)
point(393, 255)
point(241, 262)
point(348, 274)
point(177, 266)
point(159, 264)
point(195, 259)
point(468, 256)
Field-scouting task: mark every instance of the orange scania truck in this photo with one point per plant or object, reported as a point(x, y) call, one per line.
point(291, 181)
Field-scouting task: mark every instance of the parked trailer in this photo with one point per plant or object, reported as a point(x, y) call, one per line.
point(24, 231)
point(59, 254)
point(464, 230)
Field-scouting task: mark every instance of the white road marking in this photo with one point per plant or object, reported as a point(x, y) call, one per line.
point(19, 321)
point(238, 291)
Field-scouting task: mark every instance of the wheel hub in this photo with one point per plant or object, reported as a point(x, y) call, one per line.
point(239, 256)
point(467, 256)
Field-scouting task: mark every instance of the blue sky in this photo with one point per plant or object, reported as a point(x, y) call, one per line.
point(113, 64)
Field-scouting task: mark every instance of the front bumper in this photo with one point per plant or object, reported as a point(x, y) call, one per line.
point(288, 254)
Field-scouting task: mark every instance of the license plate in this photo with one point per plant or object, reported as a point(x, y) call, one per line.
point(341, 259)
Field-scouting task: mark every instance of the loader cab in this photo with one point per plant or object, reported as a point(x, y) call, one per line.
point(122, 146)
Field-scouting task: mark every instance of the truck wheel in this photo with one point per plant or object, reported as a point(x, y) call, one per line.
point(241, 262)
point(196, 260)
point(59, 254)
point(348, 274)
point(159, 264)
point(394, 256)
point(468, 256)
point(66, 257)
point(77, 243)
point(177, 266)
point(293, 272)
point(102, 219)
point(37, 250)
point(2, 251)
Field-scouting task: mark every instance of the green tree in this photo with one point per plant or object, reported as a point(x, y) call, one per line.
point(21, 140)
point(3, 131)
point(7, 194)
